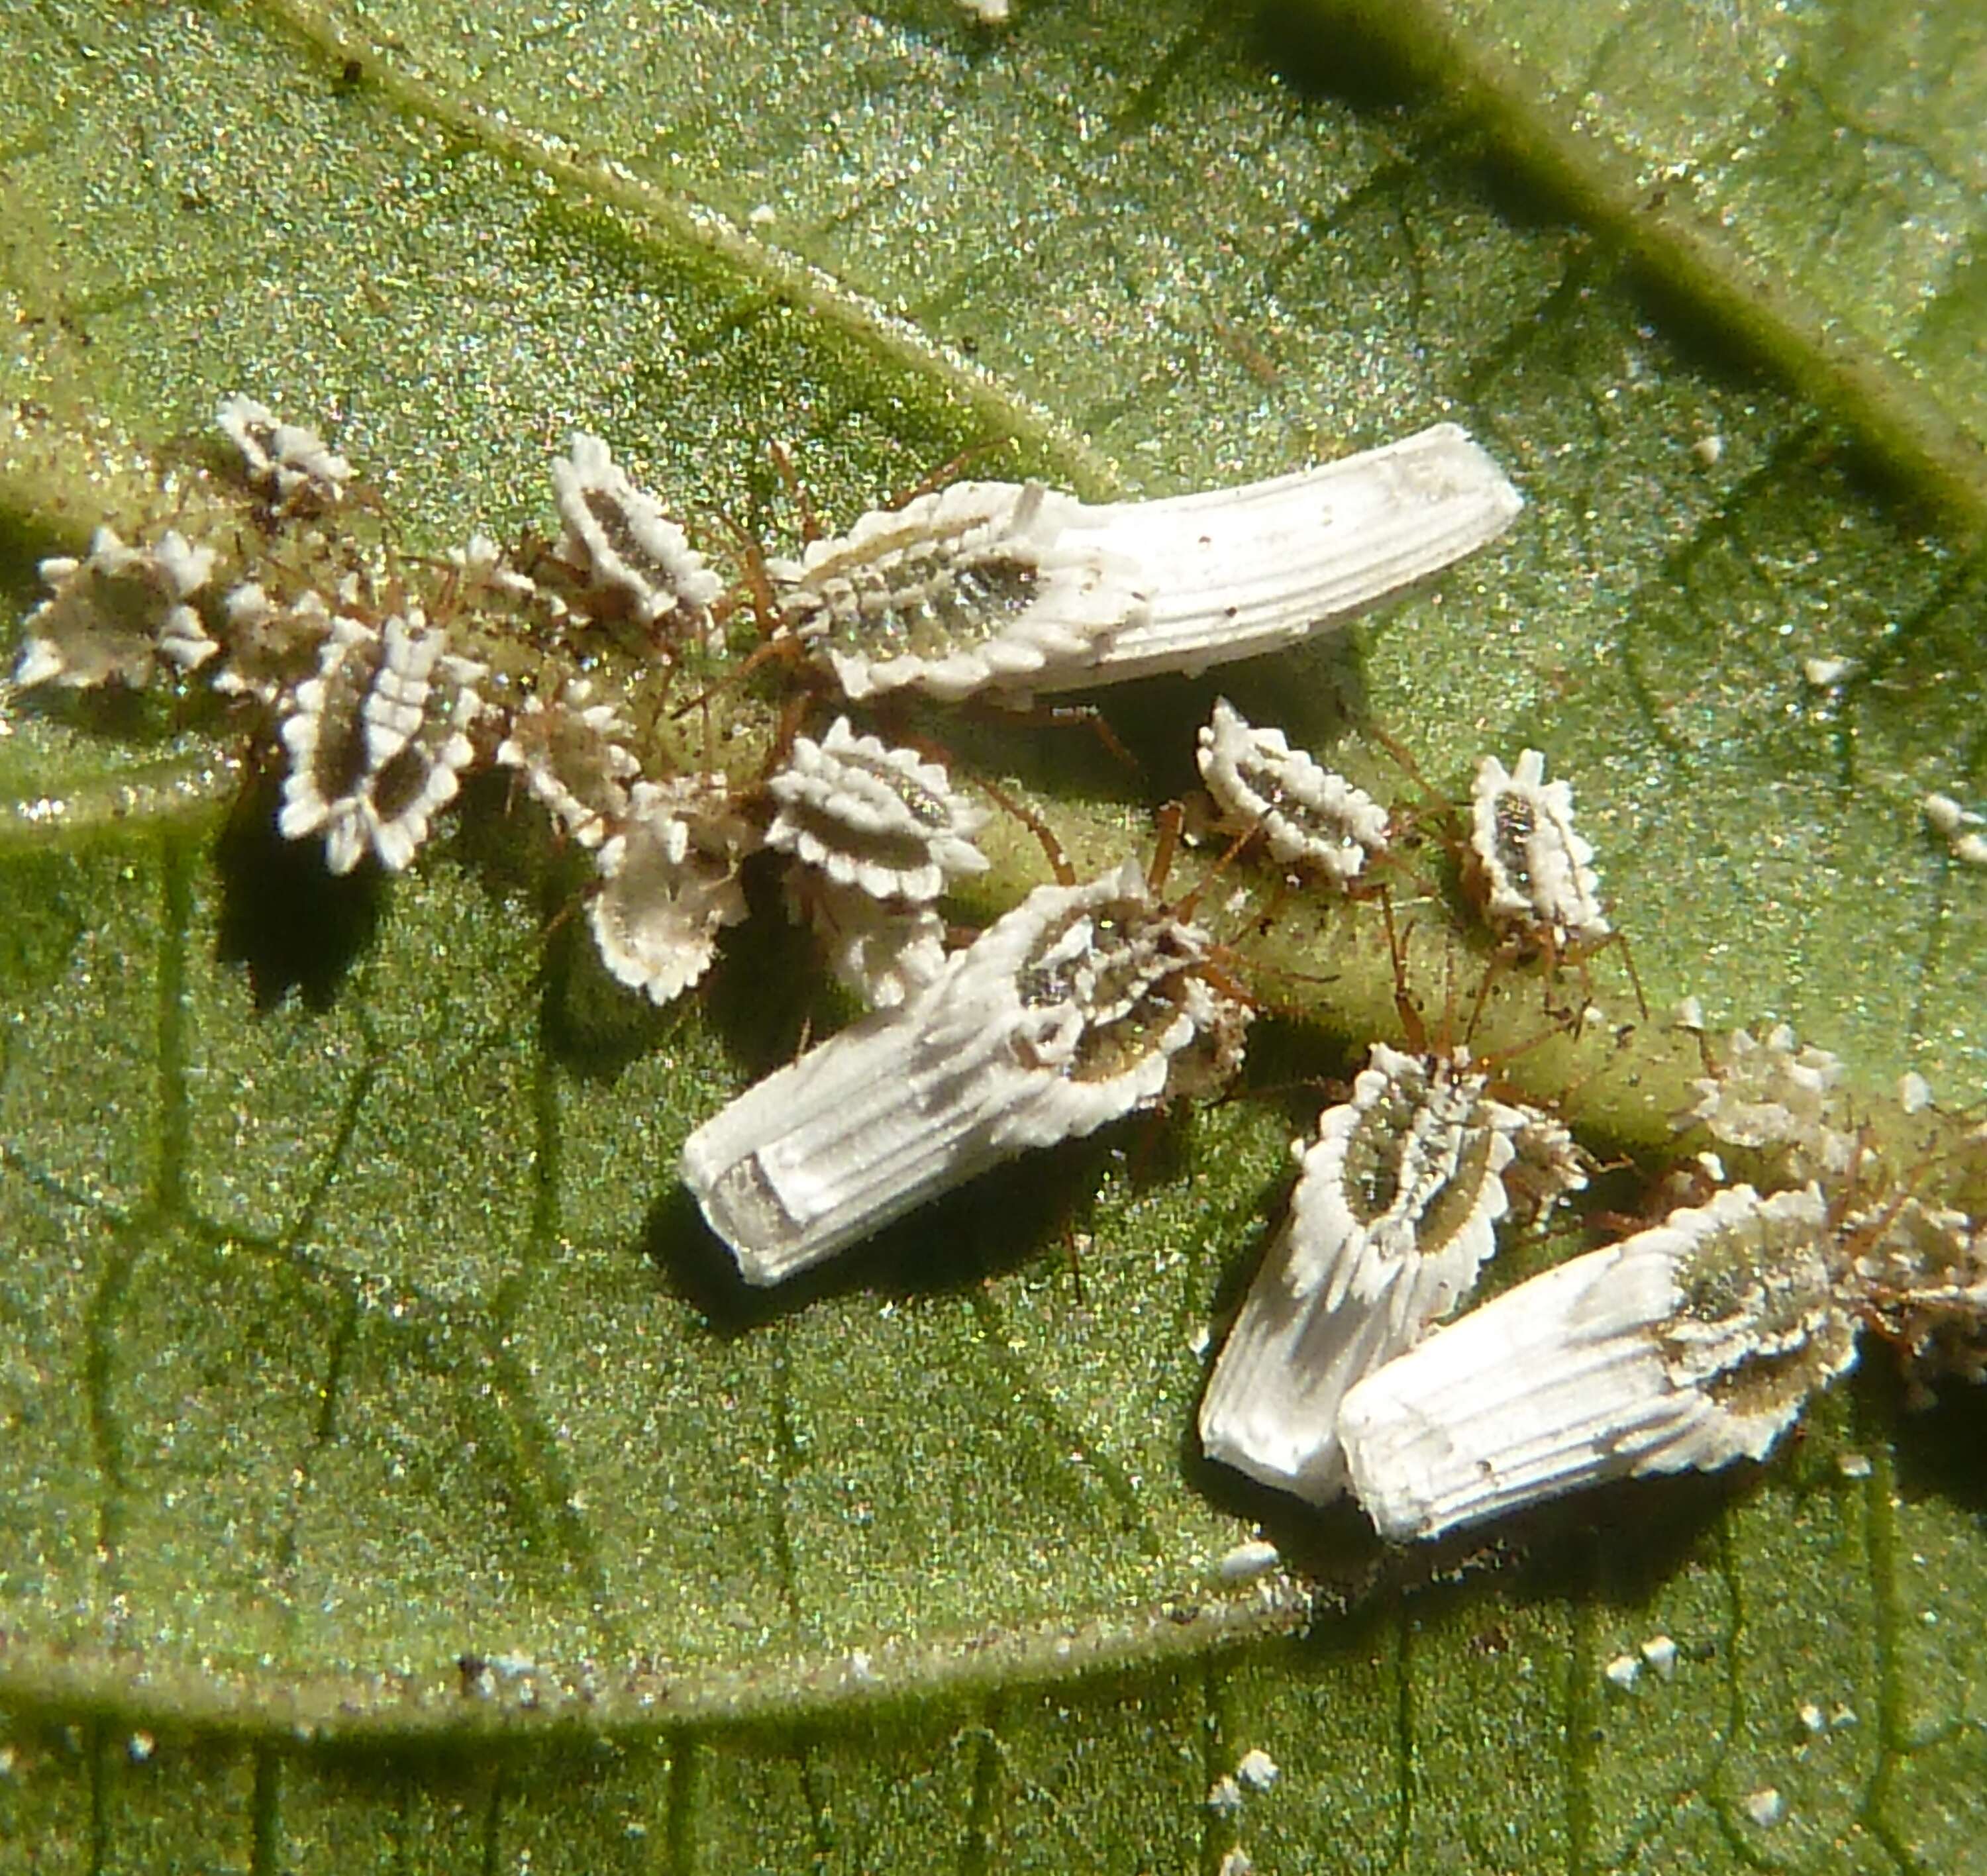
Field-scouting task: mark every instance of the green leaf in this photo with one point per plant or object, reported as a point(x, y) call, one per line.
point(390, 1476)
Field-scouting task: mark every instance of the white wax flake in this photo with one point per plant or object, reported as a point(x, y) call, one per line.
point(1826, 673)
point(1689, 1345)
point(1395, 1209)
point(1765, 1807)
point(980, 583)
point(874, 817)
point(1255, 1557)
point(113, 615)
point(573, 755)
point(884, 950)
point(671, 884)
point(1853, 1465)
point(1689, 1014)
point(631, 555)
point(1016, 589)
point(1307, 815)
point(1082, 1005)
point(376, 740)
point(140, 1747)
point(1224, 1795)
point(1236, 1862)
point(1709, 450)
point(291, 465)
point(1532, 869)
point(1256, 1770)
point(272, 648)
point(1660, 1653)
point(1623, 1671)
point(1913, 1092)
point(988, 12)
point(1774, 1093)
point(1812, 1719)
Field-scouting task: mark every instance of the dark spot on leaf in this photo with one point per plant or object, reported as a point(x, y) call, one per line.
point(294, 926)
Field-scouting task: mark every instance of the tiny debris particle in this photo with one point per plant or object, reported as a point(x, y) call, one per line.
point(762, 215)
point(1257, 1770)
point(1853, 1465)
point(1660, 1653)
point(1224, 1797)
point(1913, 1092)
point(1623, 1671)
point(1766, 1806)
point(140, 1747)
point(1826, 673)
point(7, 1762)
point(1843, 1716)
point(1943, 814)
point(1200, 1341)
point(1253, 1558)
point(1709, 450)
point(1237, 1863)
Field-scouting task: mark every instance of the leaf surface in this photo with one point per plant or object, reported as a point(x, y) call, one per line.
point(363, 1375)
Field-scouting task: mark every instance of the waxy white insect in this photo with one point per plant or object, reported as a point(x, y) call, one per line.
point(290, 464)
point(671, 884)
point(630, 553)
point(883, 950)
point(376, 740)
point(114, 614)
point(870, 815)
point(272, 648)
point(1395, 1212)
point(1015, 589)
point(1308, 816)
point(1082, 1005)
point(980, 584)
point(574, 756)
point(1533, 870)
point(1775, 1092)
point(1687, 1346)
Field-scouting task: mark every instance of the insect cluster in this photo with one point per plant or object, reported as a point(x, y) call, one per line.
point(564, 662)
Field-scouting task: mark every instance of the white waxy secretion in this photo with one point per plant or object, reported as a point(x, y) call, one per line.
point(291, 465)
point(1687, 1346)
point(272, 648)
point(670, 874)
point(1014, 589)
point(1235, 573)
point(574, 757)
point(874, 817)
point(1534, 870)
point(376, 740)
point(1774, 1093)
point(115, 613)
point(883, 950)
point(1082, 1004)
point(1395, 1209)
point(1308, 816)
point(619, 540)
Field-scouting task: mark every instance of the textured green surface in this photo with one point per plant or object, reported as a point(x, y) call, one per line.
point(352, 1322)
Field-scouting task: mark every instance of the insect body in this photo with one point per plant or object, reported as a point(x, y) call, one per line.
point(1395, 1209)
point(1012, 589)
point(1082, 1004)
point(1687, 1346)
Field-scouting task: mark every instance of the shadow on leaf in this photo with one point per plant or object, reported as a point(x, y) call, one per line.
point(294, 926)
